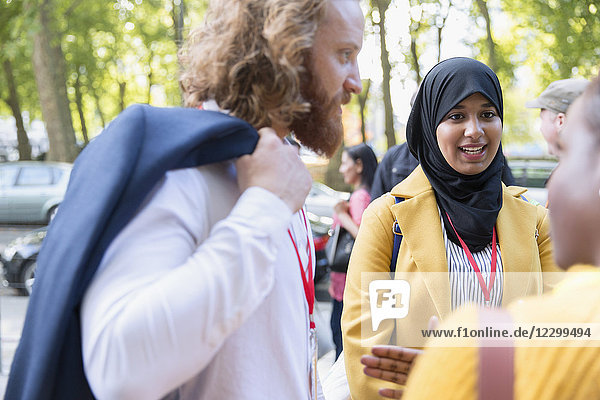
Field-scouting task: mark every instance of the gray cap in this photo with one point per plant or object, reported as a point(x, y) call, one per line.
point(559, 95)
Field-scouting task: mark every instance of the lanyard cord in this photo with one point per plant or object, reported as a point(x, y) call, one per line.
point(309, 284)
point(486, 291)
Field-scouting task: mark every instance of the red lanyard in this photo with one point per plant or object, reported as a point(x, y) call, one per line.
point(309, 284)
point(486, 291)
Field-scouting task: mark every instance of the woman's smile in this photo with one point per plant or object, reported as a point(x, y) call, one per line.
point(473, 152)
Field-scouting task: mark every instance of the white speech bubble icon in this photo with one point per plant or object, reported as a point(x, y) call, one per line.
point(389, 299)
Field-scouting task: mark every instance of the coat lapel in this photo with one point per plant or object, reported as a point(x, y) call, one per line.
point(419, 221)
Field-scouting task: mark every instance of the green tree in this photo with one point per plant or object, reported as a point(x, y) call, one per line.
point(50, 74)
point(564, 36)
point(362, 103)
point(381, 6)
point(11, 50)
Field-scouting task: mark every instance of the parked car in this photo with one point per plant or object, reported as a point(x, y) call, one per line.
point(31, 191)
point(19, 260)
point(533, 175)
point(319, 206)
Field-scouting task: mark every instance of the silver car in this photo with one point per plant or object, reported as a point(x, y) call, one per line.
point(319, 203)
point(30, 191)
point(533, 175)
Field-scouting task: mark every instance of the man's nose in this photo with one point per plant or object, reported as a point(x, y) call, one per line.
point(353, 83)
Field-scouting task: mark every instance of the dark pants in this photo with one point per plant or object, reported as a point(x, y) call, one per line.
point(336, 328)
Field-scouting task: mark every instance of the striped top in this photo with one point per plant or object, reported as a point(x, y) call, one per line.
point(464, 285)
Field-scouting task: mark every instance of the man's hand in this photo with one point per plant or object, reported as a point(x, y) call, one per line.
point(276, 167)
point(392, 364)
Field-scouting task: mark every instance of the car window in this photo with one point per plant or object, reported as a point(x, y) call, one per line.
point(532, 174)
point(8, 174)
point(30, 176)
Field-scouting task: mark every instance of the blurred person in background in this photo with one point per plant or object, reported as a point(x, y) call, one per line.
point(395, 166)
point(358, 168)
point(553, 103)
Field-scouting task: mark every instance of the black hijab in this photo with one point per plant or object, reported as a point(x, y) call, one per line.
point(472, 201)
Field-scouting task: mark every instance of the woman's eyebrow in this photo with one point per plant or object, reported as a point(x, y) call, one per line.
point(460, 106)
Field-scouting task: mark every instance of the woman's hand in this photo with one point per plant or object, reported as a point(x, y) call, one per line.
point(392, 364)
point(342, 210)
point(342, 207)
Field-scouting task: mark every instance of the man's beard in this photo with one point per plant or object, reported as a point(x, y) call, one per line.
point(321, 128)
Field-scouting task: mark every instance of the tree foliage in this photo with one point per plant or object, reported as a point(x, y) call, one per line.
point(110, 54)
point(561, 37)
point(118, 52)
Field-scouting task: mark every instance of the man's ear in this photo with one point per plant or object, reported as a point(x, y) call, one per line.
point(559, 121)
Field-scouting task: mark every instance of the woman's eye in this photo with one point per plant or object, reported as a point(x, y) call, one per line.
point(455, 117)
point(489, 114)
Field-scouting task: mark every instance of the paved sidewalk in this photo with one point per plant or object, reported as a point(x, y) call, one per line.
point(12, 316)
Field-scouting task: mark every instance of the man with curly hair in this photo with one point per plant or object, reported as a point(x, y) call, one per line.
point(206, 292)
point(201, 296)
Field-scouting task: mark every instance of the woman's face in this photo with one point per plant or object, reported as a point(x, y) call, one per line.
point(469, 135)
point(573, 193)
point(351, 170)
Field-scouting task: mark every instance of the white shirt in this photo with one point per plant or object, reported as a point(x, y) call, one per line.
point(464, 284)
point(201, 293)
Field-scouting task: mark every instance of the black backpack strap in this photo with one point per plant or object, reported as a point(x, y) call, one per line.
point(397, 240)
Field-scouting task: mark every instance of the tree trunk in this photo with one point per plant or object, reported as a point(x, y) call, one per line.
point(441, 28)
point(122, 86)
point(439, 42)
point(13, 102)
point(413, 52)
point(79, 103)
point(149, 97)
point(492, 59)
point(149, 76)
point(382, 6)
point(98, 109)
point(49, 70)
point(362, 102)
point(177, 14)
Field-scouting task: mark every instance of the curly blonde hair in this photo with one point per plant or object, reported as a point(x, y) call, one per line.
point(251, 56)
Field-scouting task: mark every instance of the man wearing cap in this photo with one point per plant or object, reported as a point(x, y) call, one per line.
point(554, 102)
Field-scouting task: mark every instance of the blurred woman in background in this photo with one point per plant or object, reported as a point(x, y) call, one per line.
point(358, 169)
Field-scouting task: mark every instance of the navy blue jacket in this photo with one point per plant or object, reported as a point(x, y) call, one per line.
point(110, 180)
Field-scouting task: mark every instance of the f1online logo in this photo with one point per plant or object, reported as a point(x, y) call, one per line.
point(389, 300)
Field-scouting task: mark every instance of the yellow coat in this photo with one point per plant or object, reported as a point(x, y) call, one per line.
point(525, 246)
point(565, 372)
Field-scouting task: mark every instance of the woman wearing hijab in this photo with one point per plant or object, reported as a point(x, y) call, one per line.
point(568, 367)
point(462, 229)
